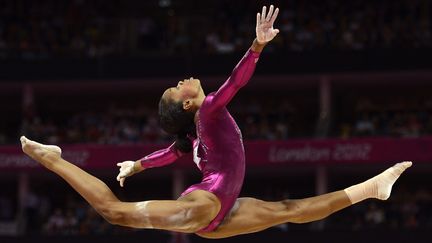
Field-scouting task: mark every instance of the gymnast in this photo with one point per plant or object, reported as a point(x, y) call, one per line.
point(203, 125)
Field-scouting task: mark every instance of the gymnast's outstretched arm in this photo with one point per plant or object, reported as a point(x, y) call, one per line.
point(239, 77)
point(156, 159)
point(246, 67)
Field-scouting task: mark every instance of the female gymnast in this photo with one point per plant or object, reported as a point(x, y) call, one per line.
point(211, 208)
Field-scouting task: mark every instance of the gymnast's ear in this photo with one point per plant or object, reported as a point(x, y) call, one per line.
point(187, 104)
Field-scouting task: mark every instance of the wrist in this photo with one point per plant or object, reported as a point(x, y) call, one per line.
point(258, 46)
point(138, 166)
point(263, 43)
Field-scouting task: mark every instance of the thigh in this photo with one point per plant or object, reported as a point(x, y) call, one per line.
point(248, 215)
point(194, 210)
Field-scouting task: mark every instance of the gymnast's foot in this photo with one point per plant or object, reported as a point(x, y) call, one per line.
point(379, 186)
point(44, 154)
point(383, 182)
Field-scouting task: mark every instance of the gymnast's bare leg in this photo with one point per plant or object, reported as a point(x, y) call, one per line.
point(197, 209)
point(187, 214)
point(251, 215)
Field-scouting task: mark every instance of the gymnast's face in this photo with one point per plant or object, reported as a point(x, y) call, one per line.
point(186, 91)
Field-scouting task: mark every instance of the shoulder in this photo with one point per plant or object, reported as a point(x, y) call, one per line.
point(207, 105)
point(207, 101)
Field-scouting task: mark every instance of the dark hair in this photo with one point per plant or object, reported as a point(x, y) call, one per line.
point(177, 121)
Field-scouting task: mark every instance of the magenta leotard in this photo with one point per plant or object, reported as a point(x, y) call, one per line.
point(218, 150)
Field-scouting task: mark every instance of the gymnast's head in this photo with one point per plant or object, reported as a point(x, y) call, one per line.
point(177, 109)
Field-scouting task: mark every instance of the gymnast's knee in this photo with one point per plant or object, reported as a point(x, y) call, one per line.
point(289, 210)
point(295, 211)
point(109, 212)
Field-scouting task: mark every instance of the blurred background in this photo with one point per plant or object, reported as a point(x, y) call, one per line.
point(342, 93)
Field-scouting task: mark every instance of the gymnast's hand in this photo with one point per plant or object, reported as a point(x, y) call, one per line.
point(128, 168)
point(264, 25)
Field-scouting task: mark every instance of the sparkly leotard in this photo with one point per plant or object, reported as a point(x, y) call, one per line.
point(218, 150)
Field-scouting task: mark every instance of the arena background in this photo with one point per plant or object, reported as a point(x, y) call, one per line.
point(342, 93)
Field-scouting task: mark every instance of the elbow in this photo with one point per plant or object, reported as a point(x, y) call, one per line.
point(240, 78)
point(237, 81)
point(238, 86)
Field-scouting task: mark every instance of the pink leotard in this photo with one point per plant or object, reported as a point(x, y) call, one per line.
point(218, 150)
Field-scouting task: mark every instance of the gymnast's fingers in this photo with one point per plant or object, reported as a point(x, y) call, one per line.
point(275, 14)
point(263, 14)
point(270, 12)
point(258, 20)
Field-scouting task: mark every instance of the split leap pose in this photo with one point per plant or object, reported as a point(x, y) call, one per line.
point(203, 125)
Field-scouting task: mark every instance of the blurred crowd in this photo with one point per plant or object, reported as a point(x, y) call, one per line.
point(400, 118)
point(115, 126)
point(45, 29)
point(77, 28)
point(141, 125)
point(269, 119)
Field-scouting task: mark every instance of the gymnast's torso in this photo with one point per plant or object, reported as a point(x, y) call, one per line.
point(219, 154)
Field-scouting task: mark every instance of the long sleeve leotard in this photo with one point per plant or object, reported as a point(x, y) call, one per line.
point(218, 150)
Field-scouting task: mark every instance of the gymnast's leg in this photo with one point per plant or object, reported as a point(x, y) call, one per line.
point(251, 215)
point(187, 214)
